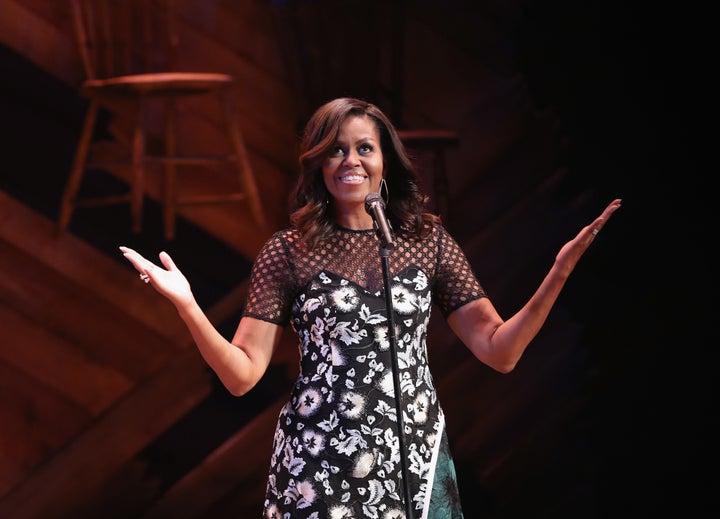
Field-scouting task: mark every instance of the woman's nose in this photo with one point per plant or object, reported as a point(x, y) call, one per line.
point(351, 157)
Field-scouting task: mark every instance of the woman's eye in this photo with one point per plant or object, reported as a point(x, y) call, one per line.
point(337, 151)
point(365, 149)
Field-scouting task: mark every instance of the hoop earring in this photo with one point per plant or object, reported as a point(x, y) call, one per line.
point(383, 185)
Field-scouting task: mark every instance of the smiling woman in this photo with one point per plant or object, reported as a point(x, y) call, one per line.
point(363, 433)
point(353, 170)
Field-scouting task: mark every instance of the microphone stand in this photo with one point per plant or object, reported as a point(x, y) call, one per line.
point(384, 253)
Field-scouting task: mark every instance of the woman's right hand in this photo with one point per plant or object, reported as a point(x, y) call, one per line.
point(168, 281)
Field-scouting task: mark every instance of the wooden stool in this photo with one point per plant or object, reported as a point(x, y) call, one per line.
point(128, 51)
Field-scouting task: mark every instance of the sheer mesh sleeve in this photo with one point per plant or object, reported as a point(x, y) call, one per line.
point(271, 288)
point(455, 282)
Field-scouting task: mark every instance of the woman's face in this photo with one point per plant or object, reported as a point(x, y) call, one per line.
point(354, 167)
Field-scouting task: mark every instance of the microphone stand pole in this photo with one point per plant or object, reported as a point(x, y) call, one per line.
point(384, 253)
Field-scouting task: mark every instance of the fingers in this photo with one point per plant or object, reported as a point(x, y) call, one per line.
point(593, 229)
point(167, 261)
point(612, 207)
point(132, 256)
point(138, 261)
point(609, 210)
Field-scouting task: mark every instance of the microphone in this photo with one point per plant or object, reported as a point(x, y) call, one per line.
point(375, 206)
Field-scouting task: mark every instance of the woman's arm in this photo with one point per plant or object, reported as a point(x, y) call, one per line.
point(500, 343)
point(239, 363)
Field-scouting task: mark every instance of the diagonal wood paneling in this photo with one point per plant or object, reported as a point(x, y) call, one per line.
point(93, 411)
point(58, 365)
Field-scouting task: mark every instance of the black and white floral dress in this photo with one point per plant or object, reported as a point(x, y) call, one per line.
point(336, 449)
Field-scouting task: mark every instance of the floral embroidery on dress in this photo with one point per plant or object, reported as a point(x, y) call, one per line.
point(336, 450)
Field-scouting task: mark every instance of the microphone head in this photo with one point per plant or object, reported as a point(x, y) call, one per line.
point(373, 199)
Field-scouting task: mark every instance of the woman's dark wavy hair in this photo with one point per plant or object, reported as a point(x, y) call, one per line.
point(311, 211)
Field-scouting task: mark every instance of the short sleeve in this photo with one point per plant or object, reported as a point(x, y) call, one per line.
point(455, 282)
point(271, 288)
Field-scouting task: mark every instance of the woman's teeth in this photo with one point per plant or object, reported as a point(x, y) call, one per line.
point(352, 179)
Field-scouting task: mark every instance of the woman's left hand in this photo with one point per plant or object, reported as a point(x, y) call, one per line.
point(571, 252)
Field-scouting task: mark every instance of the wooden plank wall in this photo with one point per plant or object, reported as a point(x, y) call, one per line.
point(215, 37)
point(77, 340)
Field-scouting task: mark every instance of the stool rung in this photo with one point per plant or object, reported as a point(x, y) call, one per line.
point(212, 199)
point(102, 200)
point(198, 160)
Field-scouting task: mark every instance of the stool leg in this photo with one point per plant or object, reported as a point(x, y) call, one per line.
point(67, 205)
point(245, 174)
point(138, 168)
point(170, 195)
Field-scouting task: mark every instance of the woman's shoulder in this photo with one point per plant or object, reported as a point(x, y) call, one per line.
point(286, 233)
point(433, 230)
point(287, 238)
